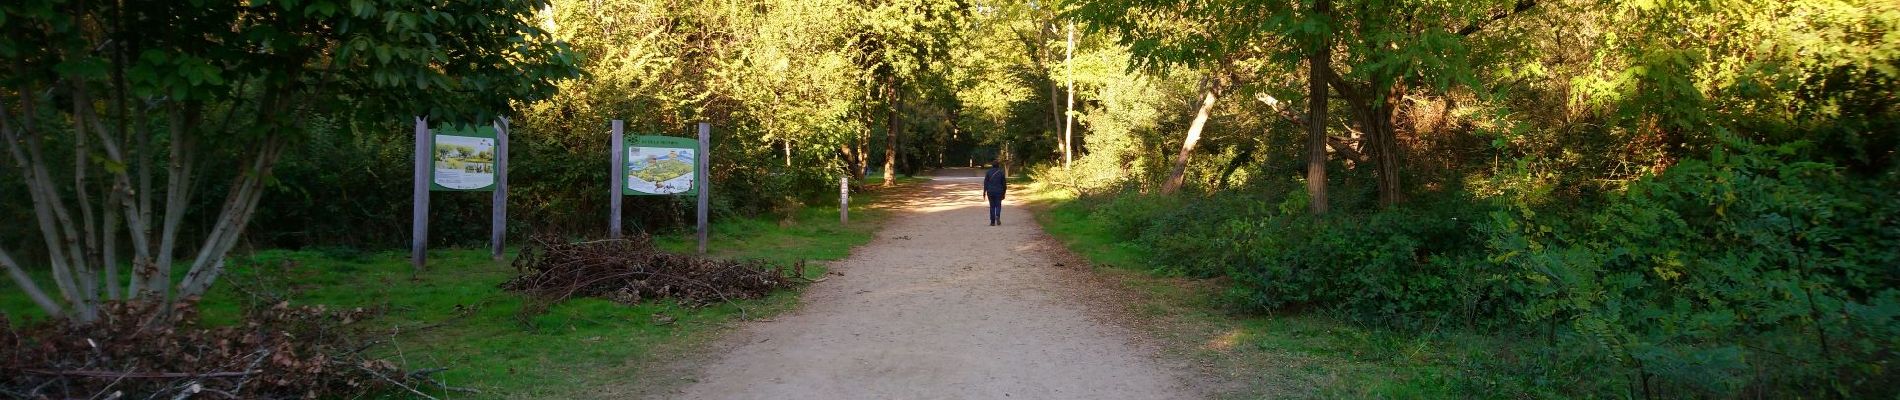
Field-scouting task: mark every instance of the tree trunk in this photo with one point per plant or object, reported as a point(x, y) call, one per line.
point(54, 222)
point(850, 162)
point(1179, 173)
point(890, 131)
point(1068, 118)
point(19, 276)
point(1385, 141)
point(1375, 111)
point(1055, 117)
point(1319, 66)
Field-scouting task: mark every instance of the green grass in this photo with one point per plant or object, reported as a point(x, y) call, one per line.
point(875, 178)
point(453, 315)
point(1277, 356)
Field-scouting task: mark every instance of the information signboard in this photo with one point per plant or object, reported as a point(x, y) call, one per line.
point(463, 159)
point(660, 165)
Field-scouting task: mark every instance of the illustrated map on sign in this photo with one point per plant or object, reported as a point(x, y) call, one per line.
point(659, 170)
point(464, 162)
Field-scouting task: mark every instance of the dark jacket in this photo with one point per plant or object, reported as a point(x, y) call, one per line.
point(994, 182)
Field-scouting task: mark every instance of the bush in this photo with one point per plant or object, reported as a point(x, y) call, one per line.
point(1753, 272)
point(1127, 215)
point(1743, 273)
point(1407, 267)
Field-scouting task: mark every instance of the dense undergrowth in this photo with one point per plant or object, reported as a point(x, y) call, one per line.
point(1759, 270)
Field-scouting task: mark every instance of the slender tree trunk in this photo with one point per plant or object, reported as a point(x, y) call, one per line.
point(178, 182)
point(1178, 173)
point(1068, 118)
point(19, 276)
point(87, 273)
point(1319, 66)
point(114, 200)
point(234, 215)
point(138, 216)
point(890, 131)
point(49, 210)
point(955, 134)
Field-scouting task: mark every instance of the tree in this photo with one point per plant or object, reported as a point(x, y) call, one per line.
point(1318, 66)
point(221, 78)
point(1211, 35)
point(903, 41)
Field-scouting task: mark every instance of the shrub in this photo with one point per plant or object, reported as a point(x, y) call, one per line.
point(1737, 274)
point(1756, 271)
point(1408, 266)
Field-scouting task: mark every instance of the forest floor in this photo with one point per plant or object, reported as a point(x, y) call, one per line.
point(940, 305)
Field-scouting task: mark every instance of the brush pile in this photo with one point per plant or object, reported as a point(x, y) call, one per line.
point(632, 270)
point(140, 351)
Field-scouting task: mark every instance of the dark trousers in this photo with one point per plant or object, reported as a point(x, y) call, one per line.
point(996, 207)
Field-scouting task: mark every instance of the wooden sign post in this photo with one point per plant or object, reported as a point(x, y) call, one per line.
point(705, 190)
point(459, 159)
point(619, 181)
point(844, 199)
point(419, 224)
point(500, 212)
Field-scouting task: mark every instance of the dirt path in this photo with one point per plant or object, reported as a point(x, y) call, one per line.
point(942, 306)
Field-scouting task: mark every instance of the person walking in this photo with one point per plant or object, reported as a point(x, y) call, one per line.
point(994, 184)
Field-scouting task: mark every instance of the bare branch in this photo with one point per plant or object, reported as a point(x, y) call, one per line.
point(26, 284)
point(142, 375)
point(1475, 27)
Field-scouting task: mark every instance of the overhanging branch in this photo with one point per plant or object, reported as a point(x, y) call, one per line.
point(1475, 27)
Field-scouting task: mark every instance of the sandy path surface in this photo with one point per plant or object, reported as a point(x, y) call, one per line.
point(942, 306)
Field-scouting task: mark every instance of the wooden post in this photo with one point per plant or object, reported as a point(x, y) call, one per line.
point(619, 180)
point(419, 225)
point(500, 213)
point(705, 182)
point(844, 199)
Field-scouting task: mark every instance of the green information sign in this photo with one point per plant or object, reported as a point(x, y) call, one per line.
point(464, 159)
point(660, 165)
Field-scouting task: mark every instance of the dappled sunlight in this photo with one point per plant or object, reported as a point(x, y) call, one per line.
point(1225, 341)
point(948, 189)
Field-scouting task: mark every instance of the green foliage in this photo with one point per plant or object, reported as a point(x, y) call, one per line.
point(1753, 271)
point(1703, 275)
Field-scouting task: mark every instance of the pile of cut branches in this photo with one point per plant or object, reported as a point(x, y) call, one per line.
point(139, 351)
point(632, 270)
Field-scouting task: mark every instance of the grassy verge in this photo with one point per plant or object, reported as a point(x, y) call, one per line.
point(1271, 356)
point(454, 316)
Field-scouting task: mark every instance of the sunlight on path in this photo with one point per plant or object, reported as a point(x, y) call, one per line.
point(940, 306)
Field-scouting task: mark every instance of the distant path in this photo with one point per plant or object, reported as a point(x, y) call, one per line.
point(942, 306)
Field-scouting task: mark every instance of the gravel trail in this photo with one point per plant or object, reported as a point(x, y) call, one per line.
point(942, 306)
